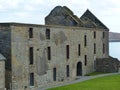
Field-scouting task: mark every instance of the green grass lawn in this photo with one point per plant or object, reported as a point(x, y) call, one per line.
point(95, 73)
point(102, 83)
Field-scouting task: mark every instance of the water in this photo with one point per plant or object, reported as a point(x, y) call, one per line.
point(114, 49)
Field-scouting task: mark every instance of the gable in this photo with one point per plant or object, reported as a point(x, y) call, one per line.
point(62, 16)
point(65, 17)
point(91, 21)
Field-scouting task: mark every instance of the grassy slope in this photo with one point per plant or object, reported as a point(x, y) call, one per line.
point(95, 73)
point(102, 83)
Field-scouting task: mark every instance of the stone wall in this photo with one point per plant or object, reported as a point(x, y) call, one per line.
point(5, 43)
point(2, 75)
point(107, 65)
point(5, 50)
point(2, 72)
point(42, 68)
point(15, 44)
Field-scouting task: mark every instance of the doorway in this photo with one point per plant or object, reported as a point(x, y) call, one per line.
point(79, 69)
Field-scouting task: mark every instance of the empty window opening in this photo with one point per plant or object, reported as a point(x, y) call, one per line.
point(94, 48)
point(30, 32)
point(103, 48)
point(79, 49)
point(94, 34)
point(85, 40)
point(49, 53)
point(31, 79)
point(31, 55)
point(67, 71)
point(54, 74)
point(85, 60)
point(47, 33)
point(67, 51)
point(94, 64)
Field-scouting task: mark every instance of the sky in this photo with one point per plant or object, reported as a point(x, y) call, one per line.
point(34, 11)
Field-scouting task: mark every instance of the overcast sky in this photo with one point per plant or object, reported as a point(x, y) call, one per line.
point(34, 11)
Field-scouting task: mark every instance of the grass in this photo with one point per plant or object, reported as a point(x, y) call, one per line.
point(102, 83)
point(95, 73)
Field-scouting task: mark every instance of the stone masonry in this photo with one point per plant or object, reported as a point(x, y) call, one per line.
point(109, 65)
point(2, 72)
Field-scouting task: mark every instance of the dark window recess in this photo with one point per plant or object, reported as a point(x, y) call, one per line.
point(94, 34)
point(47, 33)
point(103, 34)
point(31, 79)
point(85, 60)
point(94, 48)
point(31, 55)
point(95, 64)
point(85, 40)
point(67, 51)
point(103, 48)
point(49, 53)
point(30, 32)
point(79, 49)
point(54, 74)
point(67, 71)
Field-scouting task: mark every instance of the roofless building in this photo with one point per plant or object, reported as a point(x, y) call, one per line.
point(62, 49)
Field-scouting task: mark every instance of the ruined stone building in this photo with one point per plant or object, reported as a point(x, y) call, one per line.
point(62, 49)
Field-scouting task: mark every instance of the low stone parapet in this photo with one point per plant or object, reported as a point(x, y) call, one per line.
point(109, 65)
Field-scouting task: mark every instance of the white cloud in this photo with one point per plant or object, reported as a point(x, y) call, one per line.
point(112, 11)
point(116, 2)
point(21, 14)
point(36, 1)
point(9, 4)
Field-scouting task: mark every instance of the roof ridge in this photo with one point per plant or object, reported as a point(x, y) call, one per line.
point(71, 14)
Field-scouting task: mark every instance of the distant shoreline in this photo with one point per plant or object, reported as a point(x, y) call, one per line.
point(114, 40)
point(114, 37)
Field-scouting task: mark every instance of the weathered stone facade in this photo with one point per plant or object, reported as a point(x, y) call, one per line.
point(42, 55)
point(2, 72)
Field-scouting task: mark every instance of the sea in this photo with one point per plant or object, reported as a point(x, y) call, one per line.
point(114, 49)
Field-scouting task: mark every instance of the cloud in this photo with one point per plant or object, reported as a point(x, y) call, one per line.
point(34, 11)
point(21, 10)
point(114, 2)
point(9, 4)
point(112, 11)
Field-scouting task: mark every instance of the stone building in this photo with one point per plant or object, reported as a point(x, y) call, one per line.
point(65, 47)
